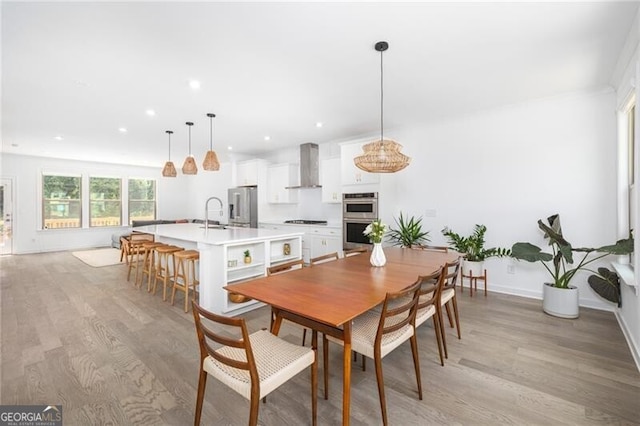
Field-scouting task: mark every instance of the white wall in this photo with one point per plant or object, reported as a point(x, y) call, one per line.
point(625, 77)
point(25, 171)
point(509, 167)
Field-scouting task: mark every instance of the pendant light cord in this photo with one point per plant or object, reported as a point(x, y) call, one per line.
point(381, 98)
point(169, 146)
point(210, 133)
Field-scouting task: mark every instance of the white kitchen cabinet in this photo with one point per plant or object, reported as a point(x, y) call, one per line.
point(350, 174)
point(330, 180)
point(323, 241)
point(279, 177)
point(248, 172)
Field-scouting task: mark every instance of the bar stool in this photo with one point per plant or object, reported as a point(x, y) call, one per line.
point(136, 256)
point(163, 272)
point(186, 269)
point(148, 262)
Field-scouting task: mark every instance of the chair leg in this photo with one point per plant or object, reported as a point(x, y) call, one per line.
point(442, 333)
point(416, 363)
point(436, 328)
point(455, 312)
point(253, 414)
point(314, 378)
point(202, 383)
point(325, 365)
point(448, 308)
point(364, 362)
point(304, 336)
point(380, 380)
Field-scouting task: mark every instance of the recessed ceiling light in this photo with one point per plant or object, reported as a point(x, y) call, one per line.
point(150, 112)
point(194, 84)
point(267, 138)
point(229, 148)
point(15, 145)
point(122, 130)
point(58, 138)
point(319, 124)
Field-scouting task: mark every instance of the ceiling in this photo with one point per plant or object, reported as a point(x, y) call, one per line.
point(82, 71)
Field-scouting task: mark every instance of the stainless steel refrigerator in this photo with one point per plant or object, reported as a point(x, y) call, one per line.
point(243, 206)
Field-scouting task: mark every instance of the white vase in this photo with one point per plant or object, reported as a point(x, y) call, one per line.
point(377, 255)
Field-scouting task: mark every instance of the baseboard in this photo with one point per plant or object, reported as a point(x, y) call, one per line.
point(633, 346)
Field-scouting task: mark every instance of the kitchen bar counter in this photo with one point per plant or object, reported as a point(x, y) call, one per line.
point(222, 259)
point(195, 232)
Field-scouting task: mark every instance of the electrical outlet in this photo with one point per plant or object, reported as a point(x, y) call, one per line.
point(511, 269)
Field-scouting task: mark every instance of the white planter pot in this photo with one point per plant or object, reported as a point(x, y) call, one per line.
point(468, 267)
point(560, 302)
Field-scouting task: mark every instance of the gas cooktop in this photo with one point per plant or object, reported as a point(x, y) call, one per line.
point(307, 222)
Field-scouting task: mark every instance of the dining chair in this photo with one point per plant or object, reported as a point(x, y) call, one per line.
point(253, 365)
point(448, 299)
point(354, 251)
point(429, 305)
point(375, 335)
point(278, 269)
point(325, 258)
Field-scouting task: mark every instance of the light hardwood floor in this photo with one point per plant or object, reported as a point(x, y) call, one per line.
point(109, 353)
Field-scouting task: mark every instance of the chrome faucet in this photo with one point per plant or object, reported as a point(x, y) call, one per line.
point(206, 210)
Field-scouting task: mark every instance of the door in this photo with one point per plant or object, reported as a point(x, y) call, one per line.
point(6, 216)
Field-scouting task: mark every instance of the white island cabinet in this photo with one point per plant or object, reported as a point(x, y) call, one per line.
point(222, 257)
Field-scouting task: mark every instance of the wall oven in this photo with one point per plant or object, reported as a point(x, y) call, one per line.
point(358, 211)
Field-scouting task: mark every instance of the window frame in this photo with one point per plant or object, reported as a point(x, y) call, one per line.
point(155, 198)
point(91, 201)
point(43, 203)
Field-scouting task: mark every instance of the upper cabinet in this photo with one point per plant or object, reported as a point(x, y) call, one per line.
point(248, 172)
point(350, 174)
point(330, 180)
point(279, 177)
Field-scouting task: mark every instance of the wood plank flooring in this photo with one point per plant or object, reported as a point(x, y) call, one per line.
point(86, 338)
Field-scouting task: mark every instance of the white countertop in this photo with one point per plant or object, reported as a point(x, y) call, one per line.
point(195, 232)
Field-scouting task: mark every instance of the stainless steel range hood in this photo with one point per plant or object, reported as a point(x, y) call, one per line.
point(309, 167)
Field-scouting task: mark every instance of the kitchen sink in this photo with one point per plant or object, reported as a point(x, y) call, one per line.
point(215, 227)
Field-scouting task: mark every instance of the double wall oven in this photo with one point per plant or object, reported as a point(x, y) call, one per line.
point(358, 211)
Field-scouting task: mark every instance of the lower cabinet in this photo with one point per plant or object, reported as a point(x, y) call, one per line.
point(324, 241)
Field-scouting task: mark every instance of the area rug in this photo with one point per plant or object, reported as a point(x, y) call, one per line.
point(99, 257)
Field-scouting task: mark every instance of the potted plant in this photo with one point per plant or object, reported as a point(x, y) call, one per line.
point(408, 233)
point(247, 256)
point(560, 298)
point(472, 248)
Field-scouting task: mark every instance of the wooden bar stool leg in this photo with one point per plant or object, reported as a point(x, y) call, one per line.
point(176, 274)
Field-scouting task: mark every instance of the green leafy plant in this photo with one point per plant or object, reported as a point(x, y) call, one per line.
point(561, 256)
point(408, 233)
point(473, 245)
point(607, 284)
point(247, 253)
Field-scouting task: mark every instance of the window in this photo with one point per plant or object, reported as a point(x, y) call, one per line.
point(105, 201)
point(61, 202)
point(142, 199)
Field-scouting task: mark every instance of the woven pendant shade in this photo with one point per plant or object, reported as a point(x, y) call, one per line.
point(382, 156)
point(189, 167)
point(169, 170)
point(211, 162)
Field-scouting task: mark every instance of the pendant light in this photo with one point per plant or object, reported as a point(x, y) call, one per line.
point(169, 169)
point(189, 167)
point(211, 159)
point(382, 156)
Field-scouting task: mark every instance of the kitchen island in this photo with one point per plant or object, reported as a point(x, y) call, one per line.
point(222, 259)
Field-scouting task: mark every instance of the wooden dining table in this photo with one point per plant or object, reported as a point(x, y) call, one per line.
point(328, 296)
